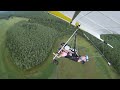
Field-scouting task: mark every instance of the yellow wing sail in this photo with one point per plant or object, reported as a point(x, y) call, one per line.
point(61, 16)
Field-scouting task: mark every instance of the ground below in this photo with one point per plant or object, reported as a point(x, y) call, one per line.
point(96, 68)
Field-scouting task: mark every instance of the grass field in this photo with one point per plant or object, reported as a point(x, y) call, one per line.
point(96, 68)
point(6, 69)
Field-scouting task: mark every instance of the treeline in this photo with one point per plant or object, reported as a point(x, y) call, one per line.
point(111, 54)
point(8, 14)
point(5, 16)
point(46, 19)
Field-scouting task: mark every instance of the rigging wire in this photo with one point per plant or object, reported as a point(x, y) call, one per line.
point(85, 15)
point(100, 26)
point(104, 41)
point(108, 17)
point(100, 52)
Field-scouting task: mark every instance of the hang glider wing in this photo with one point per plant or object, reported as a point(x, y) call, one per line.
point(93, 22)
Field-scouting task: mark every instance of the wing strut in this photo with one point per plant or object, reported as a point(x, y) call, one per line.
point(75, 15)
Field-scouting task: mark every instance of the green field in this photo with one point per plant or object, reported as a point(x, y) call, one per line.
point(96, 68)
